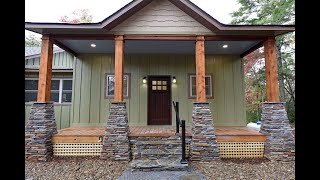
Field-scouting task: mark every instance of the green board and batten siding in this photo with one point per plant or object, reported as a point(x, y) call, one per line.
point(91, 108)
point(61, 60)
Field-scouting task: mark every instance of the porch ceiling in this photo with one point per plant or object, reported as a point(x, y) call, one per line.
point(159, 47)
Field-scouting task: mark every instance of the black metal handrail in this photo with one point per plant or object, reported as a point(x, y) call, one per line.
point(181, 123)
point(178, 122)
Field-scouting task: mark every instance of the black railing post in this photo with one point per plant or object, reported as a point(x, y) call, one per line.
point(177, 118)
point(183, 158)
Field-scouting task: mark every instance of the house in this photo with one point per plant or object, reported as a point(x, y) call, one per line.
point(131, 66)
point(61, 91)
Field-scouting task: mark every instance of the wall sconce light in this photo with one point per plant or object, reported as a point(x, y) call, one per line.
point(174, 80)
point(144, 80)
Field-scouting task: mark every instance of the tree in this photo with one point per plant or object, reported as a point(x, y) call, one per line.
point(270, 12)
point(32, 41)
point(77, 16)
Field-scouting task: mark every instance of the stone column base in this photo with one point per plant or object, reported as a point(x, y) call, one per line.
point(280, 143)
point(116, 142)
point(38, 132)
point(203, 146)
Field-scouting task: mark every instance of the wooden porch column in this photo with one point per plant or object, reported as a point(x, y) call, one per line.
point(200, 70)
point(45, 71)
point(118, 69)
point(271, 70)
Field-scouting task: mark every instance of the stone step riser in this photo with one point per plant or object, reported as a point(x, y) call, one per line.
point(153, 148)
point(158, 165)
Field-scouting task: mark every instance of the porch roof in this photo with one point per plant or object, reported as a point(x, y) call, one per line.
point(75, 38)
point(134, 6)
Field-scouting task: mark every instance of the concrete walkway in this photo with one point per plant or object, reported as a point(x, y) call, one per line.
point(161, 175)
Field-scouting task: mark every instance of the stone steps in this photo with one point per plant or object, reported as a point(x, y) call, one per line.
point(157, 153)
point(158, 165)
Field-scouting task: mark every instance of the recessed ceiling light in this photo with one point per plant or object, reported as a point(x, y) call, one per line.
point(225, 46)
point(93, 45)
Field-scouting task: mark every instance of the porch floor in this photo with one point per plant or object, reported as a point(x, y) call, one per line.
point(223, 134)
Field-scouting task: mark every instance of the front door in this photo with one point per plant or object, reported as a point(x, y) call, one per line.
point(159, 100)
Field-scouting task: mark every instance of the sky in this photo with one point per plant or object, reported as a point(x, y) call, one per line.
point(52, 10)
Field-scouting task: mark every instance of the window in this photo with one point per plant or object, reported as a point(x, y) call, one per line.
point(61, 90)
point(192, 85)
point(109, 86)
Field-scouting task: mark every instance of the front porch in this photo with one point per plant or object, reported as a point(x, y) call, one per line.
point(203, 56)
point(233, 142)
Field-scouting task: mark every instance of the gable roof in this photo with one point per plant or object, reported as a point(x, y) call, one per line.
point(33, 52)
point(134, 6)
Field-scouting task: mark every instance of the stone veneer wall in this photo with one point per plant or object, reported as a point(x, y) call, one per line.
point(280, 143)
point(203, 146)
point(153, 148)
point(116, 142)
point(38, 132)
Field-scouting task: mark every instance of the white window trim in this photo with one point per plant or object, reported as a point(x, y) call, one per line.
point(107, 87)
point(190, 86)
point(60, 90)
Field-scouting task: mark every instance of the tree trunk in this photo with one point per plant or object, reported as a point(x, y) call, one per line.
point(280, 76)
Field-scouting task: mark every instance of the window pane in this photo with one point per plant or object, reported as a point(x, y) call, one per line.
point(55, 84)
point(110, 86)
point(125, 85)
point(30, 96)
point(54, 96)
point(208, 93)
point(31, 84)
point(193, 80)
point(193, 91)
point(193, 86)
point(66, 96)
point(67, 84)
point(207, 81)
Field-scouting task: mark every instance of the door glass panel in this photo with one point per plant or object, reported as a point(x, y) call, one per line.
point(154, 82)
point(164, 82)
point(154, 87)
point(159, 83)
point(164, 88)
point(159, 87)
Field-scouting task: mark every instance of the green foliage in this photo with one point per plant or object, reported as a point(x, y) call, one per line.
point(258, 12)
point(253, 116)
point(32, 41)
point(264, 12)
point(290, 107)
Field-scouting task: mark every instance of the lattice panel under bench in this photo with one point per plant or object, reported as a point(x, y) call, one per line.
point(77, 149)
point(241, 149)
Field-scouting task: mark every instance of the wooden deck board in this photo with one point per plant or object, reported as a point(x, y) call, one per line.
point(223, 134)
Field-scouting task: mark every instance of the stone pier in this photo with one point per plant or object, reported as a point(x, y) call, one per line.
point(203, 146)
point(280, 143)
point(38, 132)
point(116, 142)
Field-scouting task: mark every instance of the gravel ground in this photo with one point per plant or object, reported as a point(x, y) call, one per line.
point(260, 168)
point(161, 175)
point(93, 168)
point(74, 168)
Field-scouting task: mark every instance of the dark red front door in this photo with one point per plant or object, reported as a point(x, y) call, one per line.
point(159, 100)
